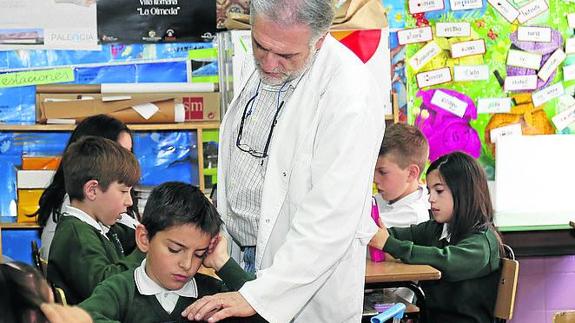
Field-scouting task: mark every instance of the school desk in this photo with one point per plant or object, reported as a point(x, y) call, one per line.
point(396, 274)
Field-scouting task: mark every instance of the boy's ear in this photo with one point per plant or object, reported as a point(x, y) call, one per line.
point(142, 240)
point(414, 172)
point(90, 188)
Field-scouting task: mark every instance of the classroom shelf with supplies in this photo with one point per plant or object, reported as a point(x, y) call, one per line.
point(171, 151)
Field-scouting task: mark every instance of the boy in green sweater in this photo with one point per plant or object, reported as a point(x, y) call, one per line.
point(178, 228)
point(99, 174)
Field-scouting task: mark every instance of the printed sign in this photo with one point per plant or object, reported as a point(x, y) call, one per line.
point(494, 105)
point(551, 64)
point(424, 55)
point(453, 29)
point(415, 35)
point(571, 20)
point(505, 9)
point(59, 75)
point(468, 48)
point(419, 6)
point(439, 76)
point(564, 119)
point(520, 58)
point(509, 130)
point(534, 34)
point(532, 10)
point(153, 21)
point(521, 82)
point(449, 103)
point(463, 73)
point(570, 46)
point(465, 4)
point(547, 94)
point(569, 72)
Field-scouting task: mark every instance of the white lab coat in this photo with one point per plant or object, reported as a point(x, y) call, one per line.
point(315, 214)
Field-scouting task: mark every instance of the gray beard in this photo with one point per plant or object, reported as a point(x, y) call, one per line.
point(287, 77)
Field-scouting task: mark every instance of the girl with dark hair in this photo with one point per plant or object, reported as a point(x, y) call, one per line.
point(461, 241)
point(54, 197)
point(23, 289)
point(25, 297)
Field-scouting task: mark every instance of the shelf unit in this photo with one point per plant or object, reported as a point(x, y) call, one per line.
point(198, 126)
point(15, 226)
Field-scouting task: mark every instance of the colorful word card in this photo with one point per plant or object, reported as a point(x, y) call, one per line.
point(494, 105)
point(453, 29)
point(449, 103)
point(439, 76)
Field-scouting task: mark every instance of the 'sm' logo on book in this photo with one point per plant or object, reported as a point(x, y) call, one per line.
point(194, 108)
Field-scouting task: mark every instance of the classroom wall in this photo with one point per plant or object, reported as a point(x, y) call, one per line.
point(546, 286)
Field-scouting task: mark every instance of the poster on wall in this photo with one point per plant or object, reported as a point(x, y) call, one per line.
point(489, 69)
point(48, 24)
point(153, 21)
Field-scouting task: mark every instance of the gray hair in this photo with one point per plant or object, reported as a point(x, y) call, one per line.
point(317, 14)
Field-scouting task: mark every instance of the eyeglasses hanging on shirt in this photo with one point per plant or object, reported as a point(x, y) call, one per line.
point(250, 104)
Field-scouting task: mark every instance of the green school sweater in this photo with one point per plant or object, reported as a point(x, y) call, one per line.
point(117, 299)
point(127, 237)
point(81, 257)
point(467, 289)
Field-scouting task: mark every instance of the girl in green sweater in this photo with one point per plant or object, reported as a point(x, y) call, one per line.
point(460, 241)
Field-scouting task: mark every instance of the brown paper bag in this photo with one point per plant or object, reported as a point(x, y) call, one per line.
point(360, 14)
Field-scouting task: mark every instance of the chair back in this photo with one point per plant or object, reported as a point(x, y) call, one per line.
point(39, 263)
point(507, 286)
point(564, 317)
point(59, 296)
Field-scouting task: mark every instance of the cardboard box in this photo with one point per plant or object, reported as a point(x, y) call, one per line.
point(34, 179)
point(40, 163)
point(72, 103)
point(28, 203)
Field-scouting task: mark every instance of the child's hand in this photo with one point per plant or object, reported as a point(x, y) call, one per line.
point(380, 238)
point(381, 224)
point(217, 253)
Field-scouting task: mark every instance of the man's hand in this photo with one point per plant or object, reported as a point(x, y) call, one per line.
point(56, 313)
point(218, 307)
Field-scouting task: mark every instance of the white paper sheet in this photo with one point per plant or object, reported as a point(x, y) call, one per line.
point(48, 24)
point(534, 180)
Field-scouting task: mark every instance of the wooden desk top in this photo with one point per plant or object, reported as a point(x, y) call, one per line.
point(390, 271)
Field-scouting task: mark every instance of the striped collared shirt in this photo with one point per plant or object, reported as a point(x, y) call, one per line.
point(245, 175)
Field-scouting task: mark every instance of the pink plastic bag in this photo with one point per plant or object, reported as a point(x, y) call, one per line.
point(375, 254)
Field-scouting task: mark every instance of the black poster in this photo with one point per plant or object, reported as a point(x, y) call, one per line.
point(152, 21)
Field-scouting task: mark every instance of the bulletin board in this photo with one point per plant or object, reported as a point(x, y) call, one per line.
point(470, 67)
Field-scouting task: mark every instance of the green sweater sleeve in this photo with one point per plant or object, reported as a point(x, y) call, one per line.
point(421, 234)
point(85, 260)
point(111, 299)
point(470, 258)
point(233, 275)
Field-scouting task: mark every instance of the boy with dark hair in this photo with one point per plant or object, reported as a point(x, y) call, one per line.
point(177, 229)
point(99, 174)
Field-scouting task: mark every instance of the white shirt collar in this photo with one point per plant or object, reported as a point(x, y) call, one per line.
point(445, 233)
point(167, 298)
point(146, 286)
point(128, 221)
point(68, 210)
point(408, 199)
